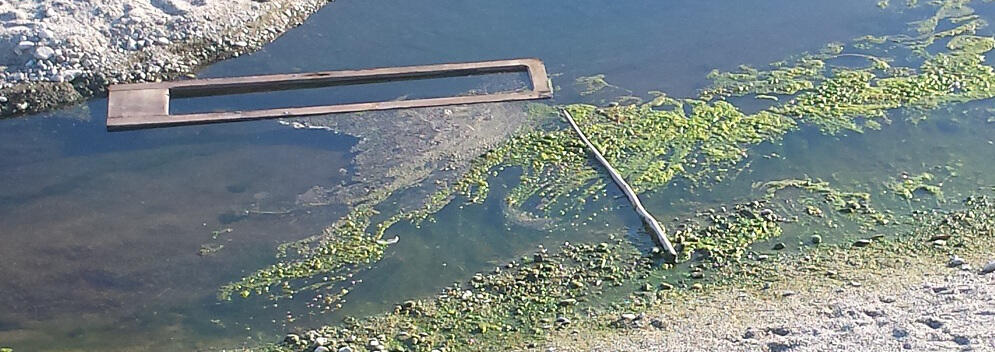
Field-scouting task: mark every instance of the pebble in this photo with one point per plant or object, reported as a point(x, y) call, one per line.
point(932, 323)
point(321, 349)
point(345, 349)
point(24, 45)
point(779, 246)
point(955, 261)
point(43, 52)
point(45, 34)
point(988, 268)
point(816, 239)
point(862, 243)
point(781, 331)
point(629, 316)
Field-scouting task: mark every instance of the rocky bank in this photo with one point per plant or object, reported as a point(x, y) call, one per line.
point(56, 52)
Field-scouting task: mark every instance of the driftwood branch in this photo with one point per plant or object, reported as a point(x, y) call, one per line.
point(659, 234)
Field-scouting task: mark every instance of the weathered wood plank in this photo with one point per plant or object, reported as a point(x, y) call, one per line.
point(145, 105)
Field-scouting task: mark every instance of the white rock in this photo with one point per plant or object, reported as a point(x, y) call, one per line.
point(955, 261)
point(24, 45)
point(69, 75)
point(321, 341)
point(172, 7)
point(43, 52)
point(241, 43)
point(45, 34)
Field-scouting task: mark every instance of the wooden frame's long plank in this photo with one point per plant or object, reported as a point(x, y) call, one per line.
point(145, 105)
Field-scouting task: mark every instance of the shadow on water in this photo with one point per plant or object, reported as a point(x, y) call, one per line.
point(114, 240)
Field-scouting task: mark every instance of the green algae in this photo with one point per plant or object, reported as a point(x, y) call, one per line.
point(725, 237)
point(908, 185)
point(518, 301)
point(344, 247)
point(851, 203)
point(521, 302)
point(696, 139)
point(588, 85)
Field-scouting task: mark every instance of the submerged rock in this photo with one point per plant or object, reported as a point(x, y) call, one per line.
point(816, 239)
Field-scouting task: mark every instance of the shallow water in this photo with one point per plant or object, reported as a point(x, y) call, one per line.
point(103, 233)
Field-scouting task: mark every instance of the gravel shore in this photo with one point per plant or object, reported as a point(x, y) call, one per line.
point(56, 52)
point(914, 306)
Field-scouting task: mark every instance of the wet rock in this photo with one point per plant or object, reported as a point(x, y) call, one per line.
point(781, 347)
point(562, 320)
point(292, 339)
point(780, 331)
point(932, 323)
point(787, 293)
point(962, 340)
point(873, 313)
point(779, 246)
point(988, 268)
point(749, 334)
point(816, 239)
point(899, 333)
point(862, 243)
point(955, 261)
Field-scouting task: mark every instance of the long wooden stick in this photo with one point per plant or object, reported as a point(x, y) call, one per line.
point(658, 232)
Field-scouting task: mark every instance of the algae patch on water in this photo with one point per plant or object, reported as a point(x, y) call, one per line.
point(908, 185)
point(665, 139)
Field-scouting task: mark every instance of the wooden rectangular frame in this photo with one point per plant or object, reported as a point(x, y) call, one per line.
point(146, 105)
